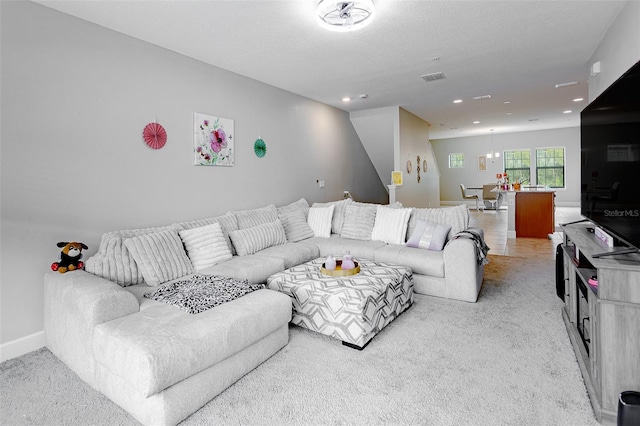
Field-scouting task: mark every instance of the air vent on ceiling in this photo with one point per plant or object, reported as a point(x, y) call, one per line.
point(482, 97)
point(433, 76)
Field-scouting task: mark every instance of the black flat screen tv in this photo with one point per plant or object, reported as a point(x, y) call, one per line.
point(610, 155)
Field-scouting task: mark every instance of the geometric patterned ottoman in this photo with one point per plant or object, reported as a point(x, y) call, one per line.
point(352, 309)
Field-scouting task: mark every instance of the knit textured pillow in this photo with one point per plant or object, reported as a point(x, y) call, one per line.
point(295, 226)
point(359, 222)
point(338, 213)
point(228, 223)
point(206, 246)
point(252, 240)
point(160, 256)
point(297, 206)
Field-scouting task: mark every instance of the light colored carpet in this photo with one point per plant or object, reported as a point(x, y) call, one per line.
point(505, 360)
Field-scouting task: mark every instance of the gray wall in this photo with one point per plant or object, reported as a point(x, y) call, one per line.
point(618, 51)
point(474, 146)
point(75, 98)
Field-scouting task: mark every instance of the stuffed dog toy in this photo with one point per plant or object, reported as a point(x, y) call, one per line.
point(69, 257)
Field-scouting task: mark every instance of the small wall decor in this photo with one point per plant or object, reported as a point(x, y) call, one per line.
point(154, 135)
point(409, 167)
point(213, 140)
point(482, 163)
point(396, 177)
point(260, 148)
point(418, 167)
point(424, 166)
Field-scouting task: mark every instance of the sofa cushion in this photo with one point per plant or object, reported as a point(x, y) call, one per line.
point(250, 240)
point(338, 213)
point(425, 262)
point(295, 226)
point(292, 254)
point(320, 220)
point(457, 217)
point(228, 222)
point(137, 348)
point(113, 260)
point(429, 235)
point(206, 246)
point(338, 246)
point(297, 206)
point(253, 268)
point(254, 217)
point(359, 222)
point(160, 256)
point(390, 225)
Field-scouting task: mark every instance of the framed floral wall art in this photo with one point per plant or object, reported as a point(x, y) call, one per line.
point(213, 140)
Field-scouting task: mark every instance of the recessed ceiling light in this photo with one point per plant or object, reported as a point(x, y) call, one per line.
point(476, 122)
point(578, 100)
point(364, 96)
point(507, 102)
point(509, 113)
point(567, 111)
point(457, 101)
point(346, 99)
point(482, 97)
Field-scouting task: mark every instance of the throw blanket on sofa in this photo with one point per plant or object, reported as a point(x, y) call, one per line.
point(481, 248)
point(202, 292)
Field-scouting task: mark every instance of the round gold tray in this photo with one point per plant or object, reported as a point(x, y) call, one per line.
point(338, 272)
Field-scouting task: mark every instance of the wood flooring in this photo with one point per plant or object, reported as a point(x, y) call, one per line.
point(494, 224)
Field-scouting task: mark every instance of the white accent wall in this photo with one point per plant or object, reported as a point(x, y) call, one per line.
point(75, 99)
point(474, 146)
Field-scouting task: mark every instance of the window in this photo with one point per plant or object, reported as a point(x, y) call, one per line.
point(456, 161)
point(517, 165)
point(550, 167)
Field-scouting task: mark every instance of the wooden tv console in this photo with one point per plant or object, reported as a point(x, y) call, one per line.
point(604, 326)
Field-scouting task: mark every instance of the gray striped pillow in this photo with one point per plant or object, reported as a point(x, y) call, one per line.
point(297, 206)
point(250, 218)
point(206, 246)
point(113, 260)
point(160, 256)
point(338, 213)
point(251, 240)
point(457, 217)
point(228, 222)
point(295, 226)
point(358, 222)
point(320, 220)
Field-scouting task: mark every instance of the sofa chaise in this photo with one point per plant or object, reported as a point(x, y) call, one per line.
point(161, 363)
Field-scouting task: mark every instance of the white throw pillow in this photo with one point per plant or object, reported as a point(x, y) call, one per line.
point(159, 256)
point(320, 220)
point(252, 240)
point(391, 225)
point(429, 235)
point(206, 246)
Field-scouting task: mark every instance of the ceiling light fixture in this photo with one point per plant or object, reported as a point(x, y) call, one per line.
point(578, 100)
point(476, 122)
point(457, 101)
point(346, 99)
point(567, 111)
point(345, 15)
point(571, 83)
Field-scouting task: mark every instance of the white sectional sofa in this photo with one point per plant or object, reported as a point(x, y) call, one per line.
point(161, 363)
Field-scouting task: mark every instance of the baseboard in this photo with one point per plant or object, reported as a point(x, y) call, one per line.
point(21, 346)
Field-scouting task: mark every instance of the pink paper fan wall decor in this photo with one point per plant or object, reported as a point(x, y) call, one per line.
point(154, 135)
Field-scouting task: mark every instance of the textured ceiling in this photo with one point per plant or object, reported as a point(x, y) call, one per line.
point(513, 50)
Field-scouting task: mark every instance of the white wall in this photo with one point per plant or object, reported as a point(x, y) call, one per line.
point(618, 51)
point(474, 146)
point(414, 142)
point(75, 98)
